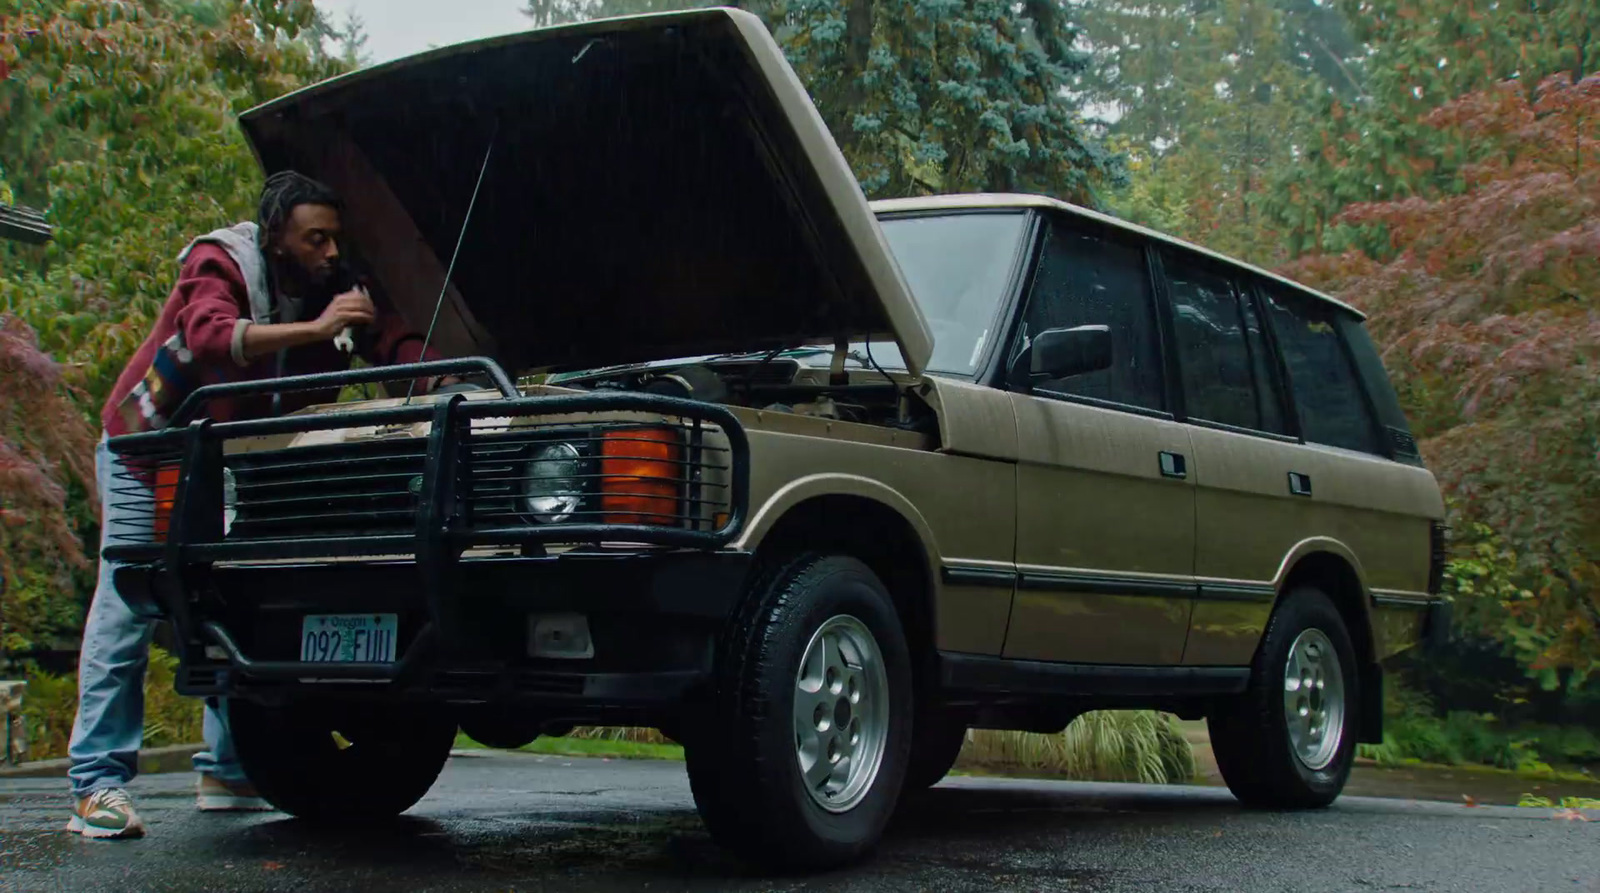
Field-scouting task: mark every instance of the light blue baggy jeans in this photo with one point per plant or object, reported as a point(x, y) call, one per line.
point(109, 728)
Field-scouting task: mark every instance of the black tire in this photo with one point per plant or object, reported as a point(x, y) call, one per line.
point(936, 742)
point(394, 755)
point(1250, 735)
point(741, 755)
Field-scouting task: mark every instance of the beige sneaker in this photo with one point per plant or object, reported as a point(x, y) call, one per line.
point(216, 795)
point(106, 814)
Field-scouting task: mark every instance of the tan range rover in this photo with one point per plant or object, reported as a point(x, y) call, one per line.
point(812, 485)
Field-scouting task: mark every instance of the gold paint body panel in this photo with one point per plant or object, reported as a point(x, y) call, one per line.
point(1091, 499)
point(1249, 527)
point(1225, 633)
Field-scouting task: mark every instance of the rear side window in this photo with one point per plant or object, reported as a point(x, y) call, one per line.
point(1397, 429)
point(1086, 280)
point(1328, 395)
point(1221, 351)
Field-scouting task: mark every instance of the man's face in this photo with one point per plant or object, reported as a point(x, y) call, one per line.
point(310, 242)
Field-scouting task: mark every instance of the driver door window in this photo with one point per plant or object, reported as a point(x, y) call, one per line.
point(1085, 279)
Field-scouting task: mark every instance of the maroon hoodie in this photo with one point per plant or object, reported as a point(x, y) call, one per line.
point(204, 309)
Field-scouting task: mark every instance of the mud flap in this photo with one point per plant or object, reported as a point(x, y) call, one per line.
point(1370, 725)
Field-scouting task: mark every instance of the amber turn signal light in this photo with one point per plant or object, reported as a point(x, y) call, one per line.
point(166, 492)
point(641, 476)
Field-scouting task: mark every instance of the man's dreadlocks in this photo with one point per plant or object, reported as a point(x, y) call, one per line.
point(282, 192)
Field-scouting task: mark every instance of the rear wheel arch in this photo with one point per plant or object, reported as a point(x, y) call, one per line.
point(1336, 576)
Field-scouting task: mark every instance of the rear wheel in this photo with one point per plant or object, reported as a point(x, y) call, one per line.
point(341, 762)
point(1290, 739)
point(801, 755)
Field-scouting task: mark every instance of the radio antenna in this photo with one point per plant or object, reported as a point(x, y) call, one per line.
point(450, 270)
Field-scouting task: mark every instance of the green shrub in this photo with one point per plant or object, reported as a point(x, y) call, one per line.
point(631, 734)
point(1565, 744)
point(1142, 746)
point(1421, 738)
point(48, 707)
point(51, 704)
point(169, 718)
point(1563, 803)
point(1463, 738)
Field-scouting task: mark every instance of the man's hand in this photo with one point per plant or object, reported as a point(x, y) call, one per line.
point(352, 308)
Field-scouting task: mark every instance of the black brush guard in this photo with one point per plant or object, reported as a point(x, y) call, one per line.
point(169, 575)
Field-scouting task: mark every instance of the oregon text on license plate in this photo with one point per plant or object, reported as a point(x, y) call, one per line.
point(366, 638)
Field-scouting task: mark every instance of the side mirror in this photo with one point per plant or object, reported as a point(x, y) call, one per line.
point(1063, 353)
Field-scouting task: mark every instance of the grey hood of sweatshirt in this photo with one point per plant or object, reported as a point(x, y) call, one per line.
point(240, 241)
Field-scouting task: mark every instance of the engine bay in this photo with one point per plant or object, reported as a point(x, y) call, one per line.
point(865, 396)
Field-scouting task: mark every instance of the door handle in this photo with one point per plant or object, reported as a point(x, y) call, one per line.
point(1299, 484)
point(1173, 465)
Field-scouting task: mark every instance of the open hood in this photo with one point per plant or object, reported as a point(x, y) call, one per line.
point(656, 186)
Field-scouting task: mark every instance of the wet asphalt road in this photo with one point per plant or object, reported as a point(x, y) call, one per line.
point(503, 821)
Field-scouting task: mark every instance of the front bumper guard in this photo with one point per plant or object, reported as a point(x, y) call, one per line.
point(195, 540)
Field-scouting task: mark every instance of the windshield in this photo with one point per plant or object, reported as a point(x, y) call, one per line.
point(958, 266)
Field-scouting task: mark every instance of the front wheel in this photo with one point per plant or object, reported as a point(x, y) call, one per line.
point(326, 762)
point(807, 737)
point(1290, 740)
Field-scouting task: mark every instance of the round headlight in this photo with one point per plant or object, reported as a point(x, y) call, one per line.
point(230, 500)
point(552, 492)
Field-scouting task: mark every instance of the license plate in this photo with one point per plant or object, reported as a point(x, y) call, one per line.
point(340, 638)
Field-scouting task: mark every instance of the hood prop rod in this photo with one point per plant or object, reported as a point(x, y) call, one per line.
point(837, 376)
point(450, 270)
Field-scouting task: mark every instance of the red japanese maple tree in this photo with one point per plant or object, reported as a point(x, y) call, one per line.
point(1485, 302)
point(46, 445)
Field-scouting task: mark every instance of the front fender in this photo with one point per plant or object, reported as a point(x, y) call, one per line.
point(801, 490)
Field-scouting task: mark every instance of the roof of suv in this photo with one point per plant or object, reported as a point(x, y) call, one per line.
point(1028, 200)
